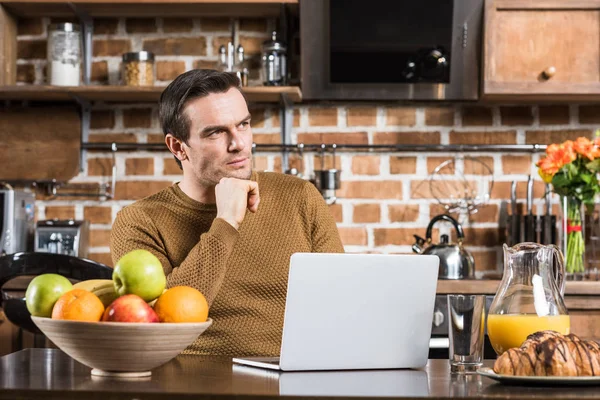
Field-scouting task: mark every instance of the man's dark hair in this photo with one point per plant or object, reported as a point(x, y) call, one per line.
point(187, 86)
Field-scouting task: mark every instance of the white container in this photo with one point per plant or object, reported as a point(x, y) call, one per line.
point(64, 54)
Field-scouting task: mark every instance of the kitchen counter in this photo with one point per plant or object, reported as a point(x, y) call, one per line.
point(489, 286)
point(51, 374)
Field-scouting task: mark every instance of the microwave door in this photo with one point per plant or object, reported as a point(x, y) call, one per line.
point(390, 49)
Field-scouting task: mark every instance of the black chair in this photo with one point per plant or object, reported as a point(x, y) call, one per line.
point(23, 264)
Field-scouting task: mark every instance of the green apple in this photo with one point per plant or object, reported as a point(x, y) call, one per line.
point(43, 291)
point(139, 272)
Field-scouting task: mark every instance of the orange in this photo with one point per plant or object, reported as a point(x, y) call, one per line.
point(78, 305)
point(181, 304)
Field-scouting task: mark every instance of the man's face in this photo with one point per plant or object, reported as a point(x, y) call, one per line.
point(220, 142)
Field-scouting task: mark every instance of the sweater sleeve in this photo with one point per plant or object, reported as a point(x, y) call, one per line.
point(205, 265)
point(324, 232)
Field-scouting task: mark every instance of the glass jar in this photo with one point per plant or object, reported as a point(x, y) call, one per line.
point(138, 69)
point(274, 62)
point(64, 54)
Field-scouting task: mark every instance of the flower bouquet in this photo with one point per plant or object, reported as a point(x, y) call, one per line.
point(571, 167)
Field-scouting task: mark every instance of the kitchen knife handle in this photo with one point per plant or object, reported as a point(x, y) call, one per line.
point(515, 229)
point(553, 230)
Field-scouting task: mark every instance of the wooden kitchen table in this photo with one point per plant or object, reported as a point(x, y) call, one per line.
point(51, 374)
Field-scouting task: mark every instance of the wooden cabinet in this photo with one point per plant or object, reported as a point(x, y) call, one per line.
point(541, 50)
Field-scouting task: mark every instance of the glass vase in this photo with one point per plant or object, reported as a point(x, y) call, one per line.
point(573, 231)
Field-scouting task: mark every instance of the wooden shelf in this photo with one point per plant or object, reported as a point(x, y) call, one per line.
point(146, 8)
point(125, 94)
point(489, 287)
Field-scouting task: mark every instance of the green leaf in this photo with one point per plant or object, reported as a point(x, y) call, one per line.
point(560, 180)
point(587, 178)
point(571, 168)
point(593, 166)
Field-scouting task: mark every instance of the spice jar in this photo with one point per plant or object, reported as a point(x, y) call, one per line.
point(138, 69)
point(64, 54)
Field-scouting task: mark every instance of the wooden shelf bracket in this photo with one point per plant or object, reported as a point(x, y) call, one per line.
point(286, 116)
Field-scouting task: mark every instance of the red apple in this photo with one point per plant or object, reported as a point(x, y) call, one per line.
point(129, 308)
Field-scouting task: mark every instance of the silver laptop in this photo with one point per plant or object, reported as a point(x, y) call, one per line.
point(355, 311)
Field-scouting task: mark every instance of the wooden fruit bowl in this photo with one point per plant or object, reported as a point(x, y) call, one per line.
point(121, 348)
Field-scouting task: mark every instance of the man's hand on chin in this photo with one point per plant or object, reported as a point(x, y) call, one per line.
point(234, 196)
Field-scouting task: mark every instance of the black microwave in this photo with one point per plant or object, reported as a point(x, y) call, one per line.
point(390, 49)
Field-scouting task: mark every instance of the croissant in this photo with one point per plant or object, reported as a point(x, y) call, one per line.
point(549, 353)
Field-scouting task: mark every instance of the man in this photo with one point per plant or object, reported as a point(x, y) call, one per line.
point(200, 229)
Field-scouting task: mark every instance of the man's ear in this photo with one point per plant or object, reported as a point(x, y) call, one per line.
point(176, 147)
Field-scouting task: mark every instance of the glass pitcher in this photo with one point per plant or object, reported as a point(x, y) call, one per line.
point(530, 296)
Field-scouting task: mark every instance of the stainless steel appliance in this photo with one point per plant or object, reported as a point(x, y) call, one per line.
point(274, 62)
point(455, 261)
point(390, 49)
point(68, 237)
point(17, 225)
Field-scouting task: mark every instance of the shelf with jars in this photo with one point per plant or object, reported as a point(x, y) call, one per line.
point(70, 46)
point(122, 94)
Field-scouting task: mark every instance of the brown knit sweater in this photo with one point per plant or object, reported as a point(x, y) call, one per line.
point(243, 274)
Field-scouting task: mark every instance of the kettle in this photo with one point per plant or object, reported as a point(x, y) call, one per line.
point(455, 261)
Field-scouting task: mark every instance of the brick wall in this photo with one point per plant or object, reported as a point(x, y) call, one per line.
point(385, 198)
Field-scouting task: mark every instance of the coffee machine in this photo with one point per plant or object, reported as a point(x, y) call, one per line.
point(17, 220)
point(68, 237)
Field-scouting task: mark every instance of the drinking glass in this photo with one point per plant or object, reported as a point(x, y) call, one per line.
point(466, 332)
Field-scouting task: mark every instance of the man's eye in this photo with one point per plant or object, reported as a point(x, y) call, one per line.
point(245, 124)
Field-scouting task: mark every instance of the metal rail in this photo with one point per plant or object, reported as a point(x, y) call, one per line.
point(381, 148)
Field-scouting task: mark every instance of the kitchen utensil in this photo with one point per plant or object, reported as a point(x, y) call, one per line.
point(232, 58)
point(274, 62)
point(460, 190)
point(295, 171)
point(529, 220)
point(455, 261)
point(328, 180)
point(529, 297)
point(548, 221)
point(515, 218)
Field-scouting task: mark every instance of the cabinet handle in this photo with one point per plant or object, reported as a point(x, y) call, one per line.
point(549, 72)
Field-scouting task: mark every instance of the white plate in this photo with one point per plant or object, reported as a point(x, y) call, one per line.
point(541, 380)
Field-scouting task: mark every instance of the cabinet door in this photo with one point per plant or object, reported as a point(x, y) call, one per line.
point(542, 49)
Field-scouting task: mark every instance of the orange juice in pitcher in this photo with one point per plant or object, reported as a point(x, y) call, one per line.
point(530, 296)
point(511, 330)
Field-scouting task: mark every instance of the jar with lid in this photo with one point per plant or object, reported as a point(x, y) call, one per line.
point(274, 62)
point(138, 69)
point(64, 54)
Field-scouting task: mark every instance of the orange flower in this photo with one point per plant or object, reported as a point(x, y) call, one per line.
point(557, 155)
point(586, 148)
point(547, 178)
